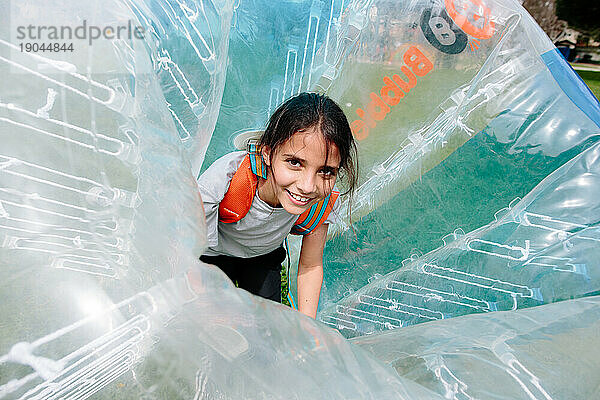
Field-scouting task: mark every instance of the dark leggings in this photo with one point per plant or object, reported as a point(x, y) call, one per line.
point(259, 275)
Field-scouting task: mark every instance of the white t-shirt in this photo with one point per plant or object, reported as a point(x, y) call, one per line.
point(261, 231)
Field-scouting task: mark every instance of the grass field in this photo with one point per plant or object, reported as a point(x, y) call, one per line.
point(592, 79)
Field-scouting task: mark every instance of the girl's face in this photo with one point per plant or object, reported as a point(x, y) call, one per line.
point(299, 176)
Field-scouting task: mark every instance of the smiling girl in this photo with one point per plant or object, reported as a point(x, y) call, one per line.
point(283, 184)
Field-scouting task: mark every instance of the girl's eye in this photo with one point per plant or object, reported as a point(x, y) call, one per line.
point(293, 162)
point(328, 173)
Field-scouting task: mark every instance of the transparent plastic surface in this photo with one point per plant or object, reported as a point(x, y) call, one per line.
point(188, 43)
point(480, 128)
point(541, 249)
point(547, 352)
point(102, 294)
point(460, 107)
point(278, 49)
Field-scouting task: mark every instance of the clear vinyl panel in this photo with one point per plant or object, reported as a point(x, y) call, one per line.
point(102, 294)
point(541, 249)
point(452, 133)
point(278, 49)
point(477, 193)
point(188, 43)
point(523, 354)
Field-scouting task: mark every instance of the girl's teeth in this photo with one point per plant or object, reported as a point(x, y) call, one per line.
point(302, 199)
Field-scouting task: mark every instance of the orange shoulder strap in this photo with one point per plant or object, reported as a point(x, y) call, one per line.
point(238, 199)
point(312, 218)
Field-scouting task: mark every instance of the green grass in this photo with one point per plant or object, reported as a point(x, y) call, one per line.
point(284, 284)
point(592, 79)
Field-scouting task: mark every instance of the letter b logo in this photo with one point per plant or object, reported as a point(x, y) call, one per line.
point(441, 31)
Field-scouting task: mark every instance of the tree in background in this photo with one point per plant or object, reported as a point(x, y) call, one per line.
point(544, 13)
point(581, 15)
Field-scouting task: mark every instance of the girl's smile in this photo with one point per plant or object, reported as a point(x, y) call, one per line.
point(301, 173)
point(299, 200)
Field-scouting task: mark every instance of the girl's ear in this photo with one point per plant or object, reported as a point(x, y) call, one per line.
point(265, 153)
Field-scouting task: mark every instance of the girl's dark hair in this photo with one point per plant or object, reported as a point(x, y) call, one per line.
point(312, 110)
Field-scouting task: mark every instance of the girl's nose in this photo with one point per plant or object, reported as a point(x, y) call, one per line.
point(307, 183)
